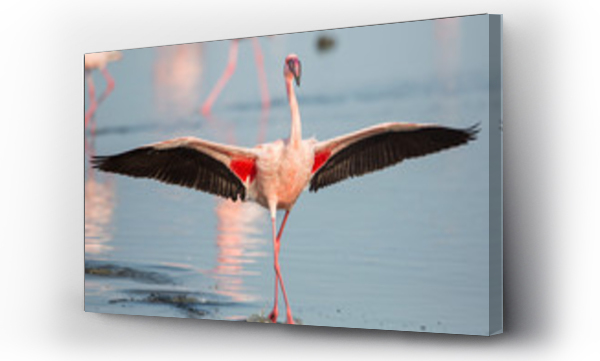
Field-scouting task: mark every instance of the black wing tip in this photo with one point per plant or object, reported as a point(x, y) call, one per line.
point(138, 163)
point(472, 131)
point(98, 160)
point(102, 162)
point(441, 138)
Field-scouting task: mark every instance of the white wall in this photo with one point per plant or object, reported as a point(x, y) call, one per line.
point(551, 177)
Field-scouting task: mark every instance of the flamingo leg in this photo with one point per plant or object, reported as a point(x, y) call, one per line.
point(92, 95)
point(262, 78)
point(110, 85)
point(279, 278)
point(276, 247)
point(229, 70)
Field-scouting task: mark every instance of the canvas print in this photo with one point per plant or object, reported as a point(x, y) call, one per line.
point(347, 177)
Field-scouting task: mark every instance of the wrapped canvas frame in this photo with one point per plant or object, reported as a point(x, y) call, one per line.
point(495, 178)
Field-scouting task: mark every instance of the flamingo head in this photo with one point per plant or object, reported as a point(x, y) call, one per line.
point(292, 68)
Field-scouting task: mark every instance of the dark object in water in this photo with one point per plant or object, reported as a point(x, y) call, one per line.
point(261, 318)
point(325, 43)
point(192, 305)
point(115, 271)
point(187, 304)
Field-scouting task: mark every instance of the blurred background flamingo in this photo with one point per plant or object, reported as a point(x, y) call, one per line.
point(98, 61)
point(230, 69)
point(178, 73)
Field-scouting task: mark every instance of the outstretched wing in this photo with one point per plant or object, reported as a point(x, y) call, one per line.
point(190, 162)
point(381, 146)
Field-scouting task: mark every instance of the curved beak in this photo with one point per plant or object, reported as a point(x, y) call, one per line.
point(295, 68)
point(297, 78)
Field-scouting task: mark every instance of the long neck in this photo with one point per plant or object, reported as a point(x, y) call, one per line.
point(296, 132)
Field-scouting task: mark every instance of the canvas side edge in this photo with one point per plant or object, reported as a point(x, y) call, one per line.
point(495, 177)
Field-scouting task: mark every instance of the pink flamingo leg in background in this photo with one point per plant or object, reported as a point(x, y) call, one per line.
point(110, 84)
point(229, 70)
point(92, 95)
point(262, 77)
point(278, 277)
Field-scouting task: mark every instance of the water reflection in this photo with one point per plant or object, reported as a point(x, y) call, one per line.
point(239, 244)
point(239, 229)
point(99, 208)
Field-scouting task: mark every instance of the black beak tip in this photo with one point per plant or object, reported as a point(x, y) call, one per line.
point(297, 80)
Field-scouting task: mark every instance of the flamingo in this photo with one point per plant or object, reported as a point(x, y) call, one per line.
point(275, 174)
point(98, 61)
point(230, 69)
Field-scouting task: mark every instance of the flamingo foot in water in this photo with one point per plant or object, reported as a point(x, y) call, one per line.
point(273, 315)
